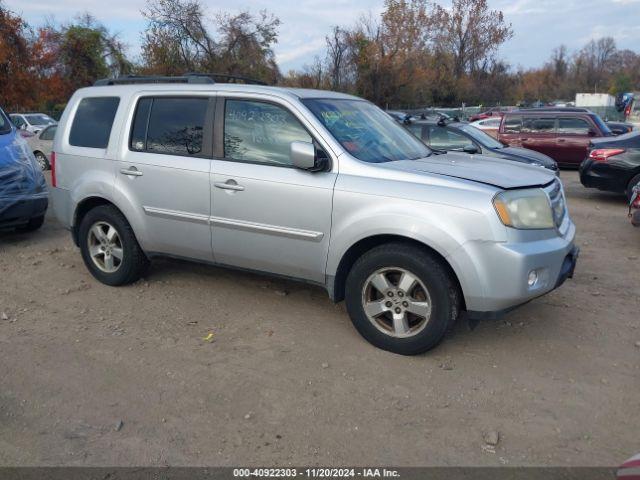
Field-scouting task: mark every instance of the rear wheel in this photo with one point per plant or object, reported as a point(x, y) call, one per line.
point(109, 247)
point(401, 299)
point(43, 163)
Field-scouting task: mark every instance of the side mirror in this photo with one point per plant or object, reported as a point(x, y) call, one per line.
point(303, 156)
point(470, 149)
point(592, 133)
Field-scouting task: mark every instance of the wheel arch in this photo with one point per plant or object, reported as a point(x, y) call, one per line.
point(337, 286)
point(83, 207)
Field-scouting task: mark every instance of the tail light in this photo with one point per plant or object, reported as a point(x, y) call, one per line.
point(603, 154)
point(52, 164)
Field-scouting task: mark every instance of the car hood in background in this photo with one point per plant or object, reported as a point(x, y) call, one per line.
point(524, 153)
point(478, 168)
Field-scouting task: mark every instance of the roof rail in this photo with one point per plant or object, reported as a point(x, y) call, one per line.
point(226, 78)
point(193, 77)
point(133, 79)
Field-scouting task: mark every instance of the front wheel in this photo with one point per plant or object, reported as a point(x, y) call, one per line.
point(401, 298)
point(109, 247)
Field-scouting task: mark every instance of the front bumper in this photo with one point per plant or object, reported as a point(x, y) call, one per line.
point(15, 212)
point(495, 275)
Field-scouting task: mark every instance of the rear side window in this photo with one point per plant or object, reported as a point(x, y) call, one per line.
point(173, 126)
point(443, 139)
point(538, 125)
point(512, 124)
point(92, 124)
point(573, 126)
point(49, 133)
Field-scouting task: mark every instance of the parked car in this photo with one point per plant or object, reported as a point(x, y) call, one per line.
point(613, 163)
point(318, 186)
point(31, 122)
point(491, 112)
point(620, 128)
point(489, 126)
point(561, 133)
point(23, 190)
point(42, 145)
point(462, 137)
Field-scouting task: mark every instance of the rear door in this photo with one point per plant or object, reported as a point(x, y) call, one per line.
point(266, 214)
point(539, 133)
point(164, 173)
point(572, 142)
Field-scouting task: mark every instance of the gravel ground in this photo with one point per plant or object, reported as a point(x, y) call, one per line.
point(94, 375)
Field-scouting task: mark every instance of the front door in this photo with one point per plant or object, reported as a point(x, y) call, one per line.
point(165, 172)
point(266, 214)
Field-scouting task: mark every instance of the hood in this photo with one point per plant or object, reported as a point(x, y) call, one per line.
point(477, 168)
point(530, 156)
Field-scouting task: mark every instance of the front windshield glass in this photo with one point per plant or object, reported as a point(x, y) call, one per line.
point(602, 126)
point(483, 138)
point(365, 131)
point(39, 119)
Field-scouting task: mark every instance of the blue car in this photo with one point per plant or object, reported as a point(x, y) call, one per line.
point(23, 189)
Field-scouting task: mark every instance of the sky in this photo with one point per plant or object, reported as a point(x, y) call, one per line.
point(538, 25)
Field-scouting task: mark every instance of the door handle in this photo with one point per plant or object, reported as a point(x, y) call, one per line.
point(524, 139)
point(229, 185)
point(561, 140)
point(131, 171)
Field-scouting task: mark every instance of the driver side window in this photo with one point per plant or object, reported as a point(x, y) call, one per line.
point(260, 132)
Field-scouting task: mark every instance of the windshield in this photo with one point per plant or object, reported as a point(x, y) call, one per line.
point(365, 131)
point(39, 119)
point(604, 128)
point(483, 138)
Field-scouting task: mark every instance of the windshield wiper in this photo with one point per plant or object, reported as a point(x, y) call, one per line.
point(436, 151)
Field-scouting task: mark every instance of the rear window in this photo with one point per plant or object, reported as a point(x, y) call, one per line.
point(173, 126)
point(93, 122)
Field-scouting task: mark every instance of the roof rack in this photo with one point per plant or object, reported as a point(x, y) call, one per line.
point(193, 77)
point(554, 109)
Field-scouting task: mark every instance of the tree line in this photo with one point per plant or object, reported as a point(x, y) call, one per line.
point(415, 53)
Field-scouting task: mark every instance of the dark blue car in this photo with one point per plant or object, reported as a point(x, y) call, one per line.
point(23, 189)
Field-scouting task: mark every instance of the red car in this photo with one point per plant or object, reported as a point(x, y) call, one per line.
point(561, 133)
point(492, 112)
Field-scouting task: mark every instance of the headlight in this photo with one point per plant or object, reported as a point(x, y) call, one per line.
point(524, 209)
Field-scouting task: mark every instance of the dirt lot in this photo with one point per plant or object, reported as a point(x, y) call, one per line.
point(94, 375)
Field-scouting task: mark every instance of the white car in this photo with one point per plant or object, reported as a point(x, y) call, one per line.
point(32, 122)
point(488, 125)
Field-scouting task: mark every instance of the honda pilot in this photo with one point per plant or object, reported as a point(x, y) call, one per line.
point(312, 185)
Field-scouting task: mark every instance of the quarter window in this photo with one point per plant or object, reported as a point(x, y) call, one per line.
point(173, 126)
point(92, 124)
point(260, 132)
point(573, 126)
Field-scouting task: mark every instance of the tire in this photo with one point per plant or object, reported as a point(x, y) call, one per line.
point(633, 182)
point(42, 161)
point(434, 291)
point(105, 265)
point(34, 224)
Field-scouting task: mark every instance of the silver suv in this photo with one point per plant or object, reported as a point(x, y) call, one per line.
point(312, 185)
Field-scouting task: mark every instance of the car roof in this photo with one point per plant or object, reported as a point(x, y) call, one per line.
point(129, 89)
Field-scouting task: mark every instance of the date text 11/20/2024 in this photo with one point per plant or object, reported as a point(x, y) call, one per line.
point(316, 472)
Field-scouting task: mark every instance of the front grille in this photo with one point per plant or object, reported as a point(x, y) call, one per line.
point(554, 191)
